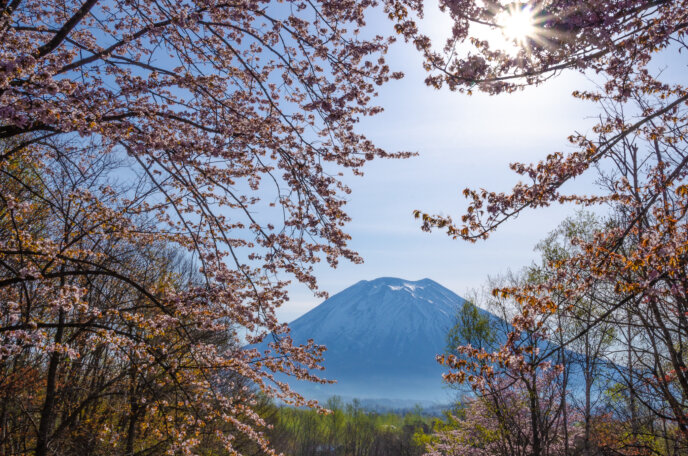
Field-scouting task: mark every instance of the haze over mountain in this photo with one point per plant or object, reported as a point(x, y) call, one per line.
point(382, 337)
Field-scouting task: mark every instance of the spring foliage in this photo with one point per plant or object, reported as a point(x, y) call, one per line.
point(632, 271)
point(166, 166)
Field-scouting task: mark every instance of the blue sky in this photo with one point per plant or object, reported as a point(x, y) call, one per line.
point(462, 141)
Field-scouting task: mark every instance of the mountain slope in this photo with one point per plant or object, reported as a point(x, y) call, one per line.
point(382, 337)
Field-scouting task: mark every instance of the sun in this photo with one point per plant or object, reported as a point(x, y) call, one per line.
point(517, 23)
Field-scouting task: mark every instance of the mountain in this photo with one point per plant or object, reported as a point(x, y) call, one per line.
point(382, 337)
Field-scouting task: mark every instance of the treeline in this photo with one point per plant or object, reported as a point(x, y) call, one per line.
point(348, 430)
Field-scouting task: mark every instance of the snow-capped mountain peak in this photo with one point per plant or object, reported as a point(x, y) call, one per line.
point(382, 337)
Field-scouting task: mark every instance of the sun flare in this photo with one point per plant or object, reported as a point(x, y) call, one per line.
point(517, 23)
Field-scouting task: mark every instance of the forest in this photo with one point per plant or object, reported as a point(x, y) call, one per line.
point(349, 430)
point(168, 169)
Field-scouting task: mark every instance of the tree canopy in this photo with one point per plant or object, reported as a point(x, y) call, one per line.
point(167, 167)
point(625, 276)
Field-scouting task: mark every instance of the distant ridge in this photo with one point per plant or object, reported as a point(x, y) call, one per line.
point(382, 337)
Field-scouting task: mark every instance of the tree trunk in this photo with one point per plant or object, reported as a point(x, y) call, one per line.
point(133, 414)
point(537, 451)
point(48, 412)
